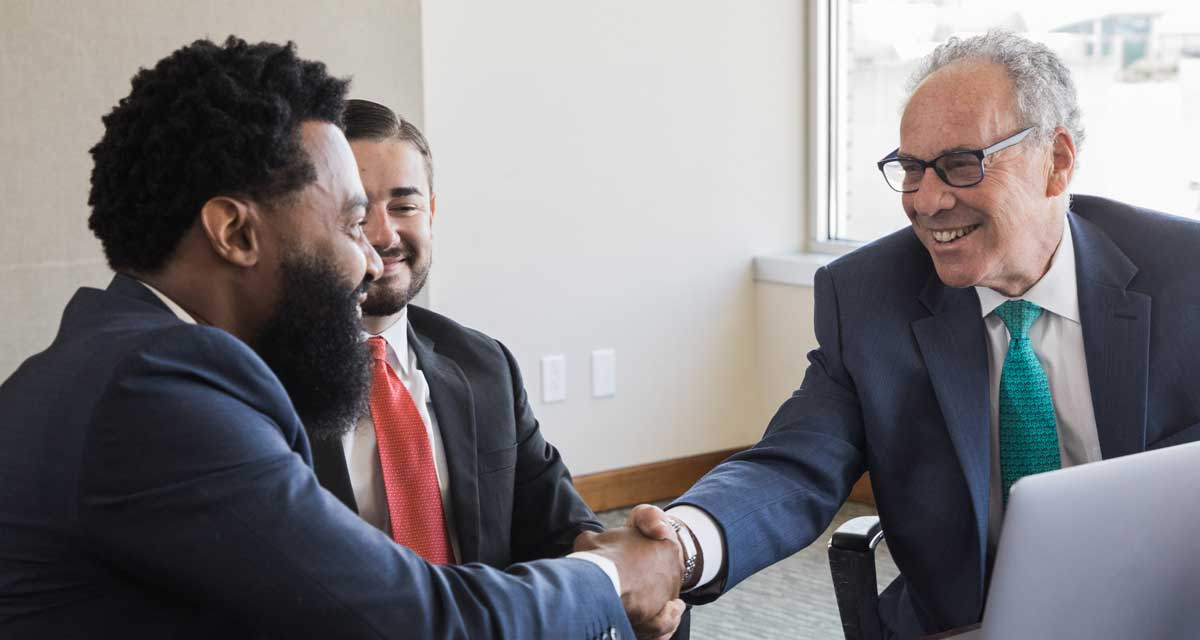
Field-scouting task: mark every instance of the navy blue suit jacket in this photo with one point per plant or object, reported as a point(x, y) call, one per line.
point(155, 481)
point(899, 387)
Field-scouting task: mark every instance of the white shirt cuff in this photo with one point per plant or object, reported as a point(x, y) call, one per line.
point(708, 535)
point(607, 565)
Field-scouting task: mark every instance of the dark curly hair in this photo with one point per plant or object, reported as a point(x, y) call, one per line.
point(207, 120)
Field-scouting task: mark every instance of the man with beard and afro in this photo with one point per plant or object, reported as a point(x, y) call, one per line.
point(467, 476)
point(155, 474)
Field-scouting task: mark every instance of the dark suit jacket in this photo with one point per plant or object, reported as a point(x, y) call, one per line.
point(155, 482)
point(899, 386)
point(512, 495)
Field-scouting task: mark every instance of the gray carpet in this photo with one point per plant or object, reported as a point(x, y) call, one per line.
point(790, 599)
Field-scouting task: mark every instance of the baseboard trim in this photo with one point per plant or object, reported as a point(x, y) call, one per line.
point(646, 482)
point(666, 479)
point(862, 491)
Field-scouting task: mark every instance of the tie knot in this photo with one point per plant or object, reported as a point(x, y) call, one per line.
point(1018, 316)
point(378, 348)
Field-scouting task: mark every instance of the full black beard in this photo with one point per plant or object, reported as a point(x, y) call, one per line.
point(314, 345)
point(382, 301)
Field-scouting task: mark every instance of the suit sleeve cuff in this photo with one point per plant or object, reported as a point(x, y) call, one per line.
point(708, 535)
point(605, 564)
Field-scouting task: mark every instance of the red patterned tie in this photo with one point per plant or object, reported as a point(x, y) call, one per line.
point(409, 477)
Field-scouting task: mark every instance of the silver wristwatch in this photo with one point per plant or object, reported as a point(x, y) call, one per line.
point(691, 553)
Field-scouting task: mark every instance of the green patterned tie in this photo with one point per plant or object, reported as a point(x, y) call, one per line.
point(1028, 432)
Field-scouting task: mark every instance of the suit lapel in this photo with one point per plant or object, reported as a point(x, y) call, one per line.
point(1116, 339)
point(455, 412)
point(953, 342)
point(329, 463)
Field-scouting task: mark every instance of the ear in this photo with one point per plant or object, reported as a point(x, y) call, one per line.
point(1062, 163)
point(432, 206)
point(232, 229)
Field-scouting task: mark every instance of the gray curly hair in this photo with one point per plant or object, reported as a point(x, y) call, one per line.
point(1042, 85)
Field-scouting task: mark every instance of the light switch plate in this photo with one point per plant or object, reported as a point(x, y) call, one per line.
point(554, 378)
point(604, 373)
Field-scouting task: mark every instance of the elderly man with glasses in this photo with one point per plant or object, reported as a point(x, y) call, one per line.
point(1013, 329)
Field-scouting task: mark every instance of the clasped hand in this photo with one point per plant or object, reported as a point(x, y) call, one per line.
point(649, 563)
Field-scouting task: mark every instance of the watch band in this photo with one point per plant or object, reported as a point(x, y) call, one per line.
point(693, 560)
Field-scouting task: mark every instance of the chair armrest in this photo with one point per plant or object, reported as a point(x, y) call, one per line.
point(852, 565)
point(858, 534)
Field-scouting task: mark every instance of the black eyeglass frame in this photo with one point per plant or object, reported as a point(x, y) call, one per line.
point(978, 154)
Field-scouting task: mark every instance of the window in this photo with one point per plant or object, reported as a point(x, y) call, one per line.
point(1136, 67)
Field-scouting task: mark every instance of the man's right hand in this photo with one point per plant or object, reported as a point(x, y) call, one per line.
point(649, 571)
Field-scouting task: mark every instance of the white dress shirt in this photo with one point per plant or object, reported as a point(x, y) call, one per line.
point(362, 449)
point(171, 304)
point(1057, 340)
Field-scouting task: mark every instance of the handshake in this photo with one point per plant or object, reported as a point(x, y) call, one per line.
point(650, 562)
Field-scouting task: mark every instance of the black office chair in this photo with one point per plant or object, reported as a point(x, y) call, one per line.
point(852, 563)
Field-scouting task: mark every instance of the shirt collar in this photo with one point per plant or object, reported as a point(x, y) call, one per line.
point(396, 336)
point(1056, 292)
point(171, 304)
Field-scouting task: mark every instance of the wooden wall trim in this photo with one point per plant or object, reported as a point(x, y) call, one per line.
point(862, 491)
point(664, 480)
point(646, 482)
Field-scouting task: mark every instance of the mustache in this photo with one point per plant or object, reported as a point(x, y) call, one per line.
point(398, 251)
point(956, 216)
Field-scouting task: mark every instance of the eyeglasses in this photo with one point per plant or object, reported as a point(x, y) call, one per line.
point(956, 168)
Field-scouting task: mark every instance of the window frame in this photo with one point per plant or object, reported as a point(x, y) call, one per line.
point(826, 22)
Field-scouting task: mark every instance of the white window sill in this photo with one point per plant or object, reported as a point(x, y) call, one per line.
point(793, 268)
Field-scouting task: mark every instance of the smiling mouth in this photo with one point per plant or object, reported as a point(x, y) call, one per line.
point(947, 236)
point(391, 265)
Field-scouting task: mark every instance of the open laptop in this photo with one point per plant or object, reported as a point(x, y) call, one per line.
point(1103, 550)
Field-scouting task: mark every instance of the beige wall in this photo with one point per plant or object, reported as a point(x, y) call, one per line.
point(607, 172)
point(64, 64)
point(785, 336)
